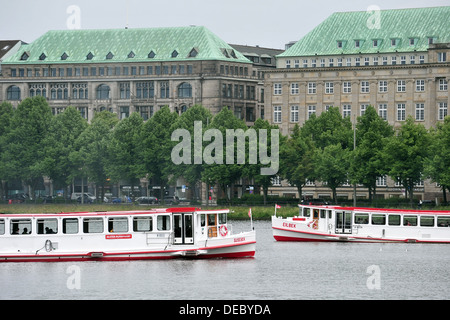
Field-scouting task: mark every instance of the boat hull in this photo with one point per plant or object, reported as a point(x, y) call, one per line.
point(244, 249)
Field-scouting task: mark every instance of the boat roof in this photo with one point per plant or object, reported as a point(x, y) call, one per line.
point(117, 213)
point(380, 210)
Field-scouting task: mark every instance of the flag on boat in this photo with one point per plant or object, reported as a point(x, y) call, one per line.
point(277, 206)
point(250, 212)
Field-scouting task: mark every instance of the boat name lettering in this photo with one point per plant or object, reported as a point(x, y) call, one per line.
point(118, 236)
point(288, 225)
point(239, 239)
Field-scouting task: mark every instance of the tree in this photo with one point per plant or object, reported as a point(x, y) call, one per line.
point(29, 126)
point(124, 150)
point(156, 147)
point(192, 171)
point(59, 143)
point(368, 162)
point(219, 170)
point(405, 153)
point(255, 170)
point(331, 166)
point(6, 114)
point(296, 160)
point(437, 165)
point(91, 152)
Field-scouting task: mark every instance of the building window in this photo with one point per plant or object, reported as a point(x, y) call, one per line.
point(13, 93)
point(103, 92)
point(89, 56)
point(382, 111)
point(288, 64)
point(124, 90)
point(420, 85)
point(294, 88)
point(403, 60)
point(185, 90)
point(145, 90)
point(109, 56)
point(311, 111)
point(294, 113)
point(347, 87)
point(131, 55)
point(124, 112)
point(357, 43)
point(313, 63)
point(346, 110)
point(79, 91)
point(277, 89)
point(393, 60)
point(365, 87)
point(443, 110)
point(363, 109)
point(164, 89)
point(401, 112)
point(349, 62)
point(305, 63)
point(443, 85)
point(420, 111)
point(277, 114)
point(311, 87)
point(357, 62)
point(412, 59)
point(174, 54)
point(375, 61)
point(401, 86)
point(421, 59)
point(382, 86)
point(442, 56)
point(329, 87)
point(381, 181)
point(339, 44)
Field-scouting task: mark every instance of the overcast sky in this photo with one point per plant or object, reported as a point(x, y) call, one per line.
point(267, 23)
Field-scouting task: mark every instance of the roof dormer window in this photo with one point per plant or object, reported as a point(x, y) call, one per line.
point(89, 56)
point(193, 53)
point(131, 55)
point(42, 57)
point(339, 44)
point(109, 56)
point(24, 56)
point(151, 55)
point(174, 54)
point(64, 56)
point(357, 44)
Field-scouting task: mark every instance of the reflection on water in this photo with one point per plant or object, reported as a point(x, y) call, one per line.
point(280, 270)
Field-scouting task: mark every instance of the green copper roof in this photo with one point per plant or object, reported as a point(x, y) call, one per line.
point(126, 45)
point(366, 26)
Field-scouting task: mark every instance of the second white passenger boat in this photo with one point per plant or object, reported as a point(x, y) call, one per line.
point(333, 223)
point(122, 235)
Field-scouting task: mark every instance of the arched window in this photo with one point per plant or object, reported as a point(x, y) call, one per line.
point(185, 90)
point(103, 92)
point(13, 93)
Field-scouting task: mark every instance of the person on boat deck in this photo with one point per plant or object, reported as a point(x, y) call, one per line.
point(25, 231)
point(48, 230)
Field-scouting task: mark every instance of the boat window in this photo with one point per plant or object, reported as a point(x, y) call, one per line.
point(20, 226)
point(361, 218)
point(330, 214)
point(70, 225)
point(47, 226)
point(117, 224)
point(93, 225)
point(202, 220)
point(443, 221)
point(142, 224)
point(2, 226)
point(323, 214)
point(427, 221)
point(211, 219)
point(222, 218)
point(410, 220)
point(378, 219)
point(394, 219)
point(163, 223)
point(306, 212)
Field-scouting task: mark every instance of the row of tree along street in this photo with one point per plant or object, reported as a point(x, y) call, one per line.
point(34, 143)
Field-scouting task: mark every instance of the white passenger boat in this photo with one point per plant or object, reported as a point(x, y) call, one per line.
point(333, 223)
point(122, 235)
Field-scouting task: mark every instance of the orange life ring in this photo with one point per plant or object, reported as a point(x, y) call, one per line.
point(223, 230)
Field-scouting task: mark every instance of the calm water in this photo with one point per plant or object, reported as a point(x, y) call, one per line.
point(280, 270)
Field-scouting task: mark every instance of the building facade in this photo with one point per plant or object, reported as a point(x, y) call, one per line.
point(132, 70)
point(399, 64)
